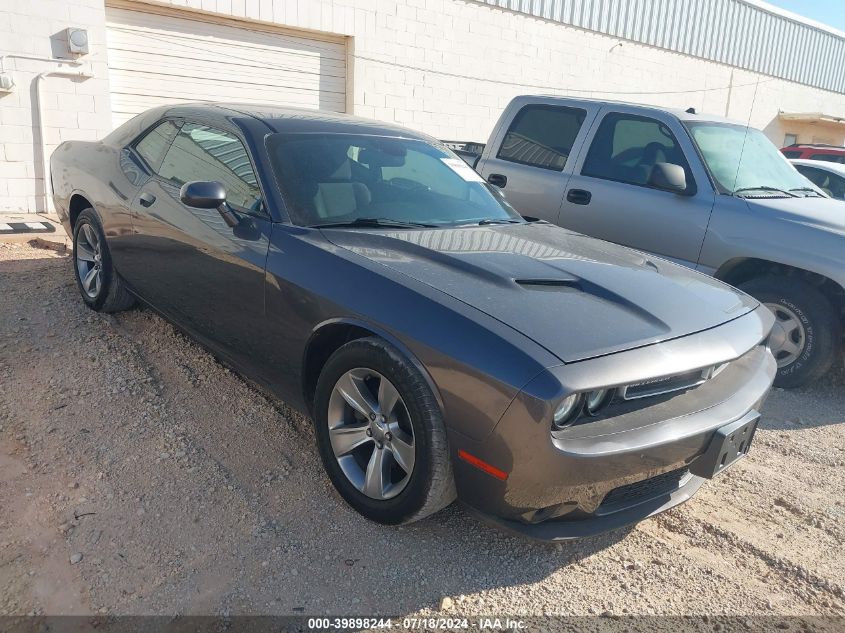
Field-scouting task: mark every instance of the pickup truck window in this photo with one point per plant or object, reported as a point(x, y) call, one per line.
point(742, 159)
point(153, 145)
point(626, 147)
point(542, 136)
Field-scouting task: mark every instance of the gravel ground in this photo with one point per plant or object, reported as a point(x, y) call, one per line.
point(139, 476)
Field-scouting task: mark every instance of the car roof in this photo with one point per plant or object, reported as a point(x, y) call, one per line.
point(836, 168)
point(838, 149)
point(683, 115)
point(291, 120)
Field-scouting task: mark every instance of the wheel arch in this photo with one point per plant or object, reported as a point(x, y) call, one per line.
point(77, 203)
point(327, 337)
point(739, 270)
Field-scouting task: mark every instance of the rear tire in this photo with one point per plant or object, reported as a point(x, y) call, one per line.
point(100, 286)
point(401, 497)
point(806, 337)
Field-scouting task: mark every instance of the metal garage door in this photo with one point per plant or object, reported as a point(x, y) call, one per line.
point(159, 56)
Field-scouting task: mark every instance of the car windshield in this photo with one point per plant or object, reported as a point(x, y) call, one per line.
point(742, 159)
point(364, 180)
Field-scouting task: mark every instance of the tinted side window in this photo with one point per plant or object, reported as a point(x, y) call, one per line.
point(830, 158)
point(542, 136)
point(791, 153)
point(837, 187)
point(831, 184)
point(816, 176)
point(627, 146)
point(153, 146)
point(203, 153)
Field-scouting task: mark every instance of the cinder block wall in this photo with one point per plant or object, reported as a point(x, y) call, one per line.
point(73, 109)
point(445, 67)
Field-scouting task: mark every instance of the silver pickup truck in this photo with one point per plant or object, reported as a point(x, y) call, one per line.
point(699, 190)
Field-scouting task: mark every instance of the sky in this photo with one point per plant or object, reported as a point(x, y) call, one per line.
point(830, 12)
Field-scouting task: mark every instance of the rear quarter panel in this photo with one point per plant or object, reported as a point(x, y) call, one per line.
point(104, 176)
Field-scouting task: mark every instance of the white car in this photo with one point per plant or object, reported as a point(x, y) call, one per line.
point(827, 176)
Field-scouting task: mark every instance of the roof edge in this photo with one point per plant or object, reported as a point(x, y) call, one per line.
point(795, 17)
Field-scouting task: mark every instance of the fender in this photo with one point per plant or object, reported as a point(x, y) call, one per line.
point(380, 332)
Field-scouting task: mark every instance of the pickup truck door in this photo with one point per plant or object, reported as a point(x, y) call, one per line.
point(609, 195)
point(532, 151)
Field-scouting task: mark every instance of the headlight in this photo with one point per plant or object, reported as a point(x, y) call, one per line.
point(598, 400)
point(568, 410)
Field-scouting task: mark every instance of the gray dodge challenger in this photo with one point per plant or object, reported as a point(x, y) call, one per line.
point(444, 345)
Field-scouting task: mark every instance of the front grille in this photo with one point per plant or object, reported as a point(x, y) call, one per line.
point(641, 491)
point(669, 384)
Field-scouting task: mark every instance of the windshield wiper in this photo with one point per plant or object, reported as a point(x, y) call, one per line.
point(487, 221)
point(373, 223)
point(808, 189)
point(766, 188)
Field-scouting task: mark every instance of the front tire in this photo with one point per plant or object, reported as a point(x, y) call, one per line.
point(380, 434)
point(806, 336)
point(101, 287)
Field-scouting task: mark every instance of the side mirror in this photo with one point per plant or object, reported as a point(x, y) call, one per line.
point(669, 177)
point(209, 194)
point(203, 194)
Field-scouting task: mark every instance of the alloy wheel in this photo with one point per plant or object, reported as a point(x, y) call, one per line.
point(788, 336)
point(88, 256)
point(371, 433)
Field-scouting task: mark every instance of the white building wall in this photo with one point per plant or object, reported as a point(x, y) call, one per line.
point(445, 67)
point(73, 109)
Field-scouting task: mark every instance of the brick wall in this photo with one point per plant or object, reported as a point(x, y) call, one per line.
point(446, 67)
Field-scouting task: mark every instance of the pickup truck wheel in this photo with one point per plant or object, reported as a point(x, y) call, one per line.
point(380, 434)
point(806, 335)
point(101, 287)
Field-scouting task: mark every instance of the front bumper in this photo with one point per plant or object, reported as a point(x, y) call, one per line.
point(565, 530)
point(607, 473)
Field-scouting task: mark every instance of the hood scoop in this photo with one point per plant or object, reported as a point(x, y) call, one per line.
point(572, 283)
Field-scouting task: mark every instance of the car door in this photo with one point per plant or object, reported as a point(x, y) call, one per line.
point(190, 264)
point(140, 161)
point(610, 195)
point(533, 161)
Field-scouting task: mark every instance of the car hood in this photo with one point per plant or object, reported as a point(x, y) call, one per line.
point(576, 296)
point(824, 213)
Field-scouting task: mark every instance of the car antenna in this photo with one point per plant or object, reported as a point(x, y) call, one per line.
point(745, 136)
point(690, 111)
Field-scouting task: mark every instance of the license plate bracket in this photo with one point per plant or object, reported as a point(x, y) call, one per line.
point(730, 444)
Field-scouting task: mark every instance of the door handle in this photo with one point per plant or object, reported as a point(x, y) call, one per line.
point(579, 196)
point(146, 199)
point(497, 180)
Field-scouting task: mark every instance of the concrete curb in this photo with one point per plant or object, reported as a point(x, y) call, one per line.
point(26, 227)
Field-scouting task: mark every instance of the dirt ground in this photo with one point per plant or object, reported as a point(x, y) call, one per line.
point(139, 476)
